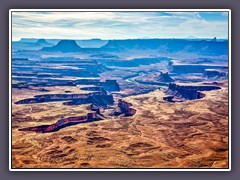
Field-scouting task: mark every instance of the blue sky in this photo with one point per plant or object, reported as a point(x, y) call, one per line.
point(119, 25)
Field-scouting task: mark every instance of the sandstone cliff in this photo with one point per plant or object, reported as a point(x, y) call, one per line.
point(215, 74)
point(102, 99)
point(188, 92)
point(63, 123)
point(110, 85)
point(124, 109)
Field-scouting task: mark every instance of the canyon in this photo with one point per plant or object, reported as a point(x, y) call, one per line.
point(134, 103)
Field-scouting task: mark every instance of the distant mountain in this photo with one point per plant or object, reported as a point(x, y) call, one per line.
point(63, 46)
point(31, 40)
point(214, 39)
point(85, 43)
point(213, 46)
point(43, 42)
point(205, 47)
point(24, 44)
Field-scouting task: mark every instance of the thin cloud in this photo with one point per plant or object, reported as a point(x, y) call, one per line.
point(118, 25)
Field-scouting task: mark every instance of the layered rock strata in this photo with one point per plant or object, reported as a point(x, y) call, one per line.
point(110, 85)
point(188, 92)
point(123, 108)
point(62, 123)
point(98, 98)
point(214, 74)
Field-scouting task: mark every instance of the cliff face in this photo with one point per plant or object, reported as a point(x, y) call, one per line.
point(164, 77)
point(110, 85)
point(101, 99)
point(172, 99)
point(63, 123)
point(64, 46)
point(184, 93)
point(188, 92)
point(124, 109)
point(215, 74)
point(95, 108)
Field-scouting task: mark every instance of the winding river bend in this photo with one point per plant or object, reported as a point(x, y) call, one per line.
point(133, 79)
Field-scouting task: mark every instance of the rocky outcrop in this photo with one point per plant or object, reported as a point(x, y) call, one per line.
point(188, 92)
point(63, 46)
point(101, 99)
point(62, 123)
point(214, 74)
point(123, 108)
point(110, 85)
point(98, 100)
point(172, 99)
point(95, 108)
point(164, 77)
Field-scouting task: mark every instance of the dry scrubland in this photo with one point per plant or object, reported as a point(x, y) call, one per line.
point(161, 134)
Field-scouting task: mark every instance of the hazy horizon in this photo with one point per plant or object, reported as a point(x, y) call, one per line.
point(194, 38)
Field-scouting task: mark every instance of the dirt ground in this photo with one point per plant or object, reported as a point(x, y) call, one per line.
point(191, 134)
